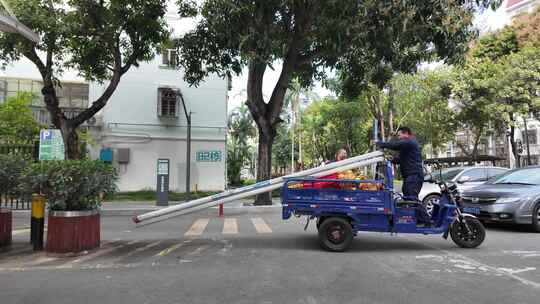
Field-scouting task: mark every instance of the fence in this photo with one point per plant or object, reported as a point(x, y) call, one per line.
point(8, 201)
point(15, 203)
point(30, 150)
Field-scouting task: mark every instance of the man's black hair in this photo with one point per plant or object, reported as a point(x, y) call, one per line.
point(405, 130)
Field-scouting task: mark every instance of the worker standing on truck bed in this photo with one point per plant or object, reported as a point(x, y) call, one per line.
point(410, 166)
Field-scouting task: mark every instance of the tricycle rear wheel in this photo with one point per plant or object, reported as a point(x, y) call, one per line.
point(335, 234)
point(468, 239)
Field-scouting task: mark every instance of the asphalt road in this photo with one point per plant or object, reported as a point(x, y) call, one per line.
point(258, 258)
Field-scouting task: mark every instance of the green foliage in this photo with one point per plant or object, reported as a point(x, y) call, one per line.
point(17, 124)
point(241, 131)
point(331, 124)
point(71, 185)
point(281, 151)
point(421, 103)
point(11, 171)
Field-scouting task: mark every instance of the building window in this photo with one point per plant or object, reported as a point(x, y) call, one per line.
point(532, 137)
point(169, 57)
point(168, 102)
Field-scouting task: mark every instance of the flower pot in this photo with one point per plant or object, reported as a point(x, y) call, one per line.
point(5, 227)
point(72, 231)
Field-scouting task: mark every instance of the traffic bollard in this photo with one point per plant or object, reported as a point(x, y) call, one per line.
point(221, 210)
point(37, 222)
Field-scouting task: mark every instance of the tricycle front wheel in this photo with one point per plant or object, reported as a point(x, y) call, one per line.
point(468, 238)
point(335, 234)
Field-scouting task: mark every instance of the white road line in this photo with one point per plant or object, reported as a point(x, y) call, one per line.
point(198, 227)
point(230, 226)
point(20, 231)
point(199, 250)
point(260, 225)
point(478, 264)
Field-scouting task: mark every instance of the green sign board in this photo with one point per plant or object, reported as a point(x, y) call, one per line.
point(51, 145)
point(209, 156)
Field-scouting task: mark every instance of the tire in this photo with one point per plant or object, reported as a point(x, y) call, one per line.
point(536, 218)
point(335, 234)
point(430, 201)
point(464, 240)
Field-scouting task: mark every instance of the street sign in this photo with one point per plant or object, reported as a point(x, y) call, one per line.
point(209, 156)
point(51, 145)
point(162, 189)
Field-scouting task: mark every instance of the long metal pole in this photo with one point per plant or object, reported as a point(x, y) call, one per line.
point(252, 192)
point(263, 185)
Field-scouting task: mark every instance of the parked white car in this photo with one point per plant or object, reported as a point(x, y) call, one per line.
point(465, 178)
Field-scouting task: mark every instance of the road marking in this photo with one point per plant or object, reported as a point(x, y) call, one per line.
point(230, 226)
point(151, 245)
point(20, 231)
point(480, 265)
point(98, 253)
point(169, 250)
point(199, 250)
point(260, 225)
point(198, 227)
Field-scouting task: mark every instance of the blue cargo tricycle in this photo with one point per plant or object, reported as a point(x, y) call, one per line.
point(344, 207)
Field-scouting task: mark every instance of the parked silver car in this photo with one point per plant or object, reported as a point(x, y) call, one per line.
point(465, 178)
point(513, 197)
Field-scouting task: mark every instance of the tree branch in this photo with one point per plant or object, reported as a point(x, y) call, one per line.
point(99, 103)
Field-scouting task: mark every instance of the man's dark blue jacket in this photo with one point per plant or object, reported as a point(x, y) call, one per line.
point(410, 155)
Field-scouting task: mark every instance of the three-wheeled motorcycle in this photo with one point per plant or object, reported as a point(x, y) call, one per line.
point(344, 207)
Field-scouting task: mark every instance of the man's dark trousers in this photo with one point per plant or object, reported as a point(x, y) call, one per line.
point(412, 185)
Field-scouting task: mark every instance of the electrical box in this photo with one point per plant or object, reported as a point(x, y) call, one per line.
point(106, 155)
point(122, 155)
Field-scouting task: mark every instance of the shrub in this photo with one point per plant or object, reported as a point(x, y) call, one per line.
point(11, 170)
point(71, 185)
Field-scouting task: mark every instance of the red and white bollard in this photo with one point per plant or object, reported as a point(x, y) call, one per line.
point(220, 210)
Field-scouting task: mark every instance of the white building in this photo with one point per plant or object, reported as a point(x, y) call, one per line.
point(145, 120)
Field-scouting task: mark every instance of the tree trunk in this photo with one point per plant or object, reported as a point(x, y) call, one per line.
point(72, 146)
point(514, 145)
point(264, 161)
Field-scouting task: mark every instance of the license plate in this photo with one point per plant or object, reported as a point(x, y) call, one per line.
point(472, 210)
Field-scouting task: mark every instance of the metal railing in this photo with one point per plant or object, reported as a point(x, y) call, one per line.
point(13, 203)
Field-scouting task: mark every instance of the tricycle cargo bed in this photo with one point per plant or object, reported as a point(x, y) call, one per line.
point(304, 197)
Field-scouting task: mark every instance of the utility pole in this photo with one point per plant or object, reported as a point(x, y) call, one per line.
point(527, 141)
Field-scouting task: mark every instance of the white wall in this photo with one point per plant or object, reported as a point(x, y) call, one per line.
point(140, 172)
point(130, 120)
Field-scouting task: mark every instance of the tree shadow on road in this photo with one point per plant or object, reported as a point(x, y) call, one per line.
point(306, 242)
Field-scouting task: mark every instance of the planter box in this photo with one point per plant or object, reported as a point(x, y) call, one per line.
point(72, 231)
point(5, 227)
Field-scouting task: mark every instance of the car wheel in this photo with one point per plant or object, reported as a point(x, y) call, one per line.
point(335, 234)
point(430, 201)
point(536, 218)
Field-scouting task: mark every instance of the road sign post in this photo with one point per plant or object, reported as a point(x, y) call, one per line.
point(51, 145)
point(162, 189)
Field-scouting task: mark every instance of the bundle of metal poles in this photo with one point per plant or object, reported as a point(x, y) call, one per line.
point(260, 187)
